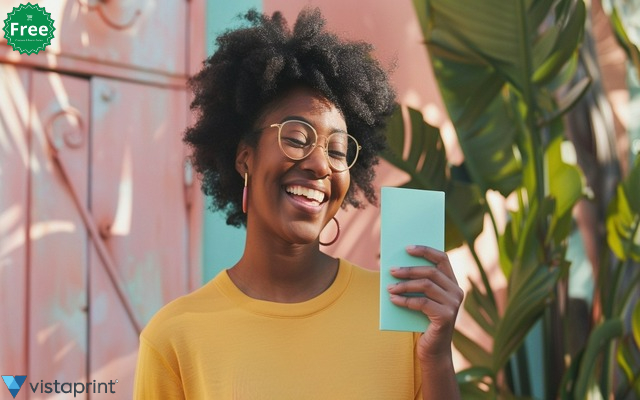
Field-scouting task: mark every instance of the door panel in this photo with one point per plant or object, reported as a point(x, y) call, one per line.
point(14, 158)
point(58, 238)
point(103, 228)
point(138, 200)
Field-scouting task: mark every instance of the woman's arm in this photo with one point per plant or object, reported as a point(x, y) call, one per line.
point(154, 377)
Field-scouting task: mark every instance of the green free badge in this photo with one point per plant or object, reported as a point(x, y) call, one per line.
point(28, 28)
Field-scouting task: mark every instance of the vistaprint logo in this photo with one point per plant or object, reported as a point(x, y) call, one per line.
point(14, 384)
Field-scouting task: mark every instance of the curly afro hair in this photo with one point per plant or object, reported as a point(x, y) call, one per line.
point(259, 64)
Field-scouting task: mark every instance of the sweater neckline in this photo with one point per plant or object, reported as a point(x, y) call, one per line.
point(287, 310)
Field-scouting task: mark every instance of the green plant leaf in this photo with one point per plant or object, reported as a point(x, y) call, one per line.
point(568, 36)
point(524, 307)
point(471, 391)
point(471, 87)
point(635, 324)
point(623, 217)
point(478, 66)
point(569, 99)
point(567, 386)
point(622, 18)
point(629, 361)
point(424, 143)
point(507, 247)
point(565, 187)
point(599, 339)
point(499, 66)
point(465, 219)
point(476, 383)
point(416, 148)
point(523, 253)
point(631, 186)
point(470, 350)
point(531, 289)
point(484, 124)
point(482, 309)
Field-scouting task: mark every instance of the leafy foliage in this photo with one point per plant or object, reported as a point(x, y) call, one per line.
point(623, 219)
point(504, 71)
point(624, 16)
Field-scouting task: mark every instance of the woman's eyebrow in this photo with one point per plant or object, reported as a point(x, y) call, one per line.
point(295, 117)
point(303, 119)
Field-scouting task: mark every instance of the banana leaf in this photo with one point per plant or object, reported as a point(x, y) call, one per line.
point(470, 350)
point(426, 163)
point(485, 55)
point(499, 67)
point(482, 309)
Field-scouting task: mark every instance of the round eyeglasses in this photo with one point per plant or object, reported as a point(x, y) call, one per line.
point(298, 139)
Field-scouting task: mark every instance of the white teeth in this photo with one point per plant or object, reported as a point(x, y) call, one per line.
point(310, 194)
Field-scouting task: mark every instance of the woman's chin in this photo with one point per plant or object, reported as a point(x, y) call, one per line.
point(300, 234)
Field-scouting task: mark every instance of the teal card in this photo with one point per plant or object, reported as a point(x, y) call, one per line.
point(409, 217)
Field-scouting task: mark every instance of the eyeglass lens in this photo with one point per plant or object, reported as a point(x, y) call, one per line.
point(298, 139)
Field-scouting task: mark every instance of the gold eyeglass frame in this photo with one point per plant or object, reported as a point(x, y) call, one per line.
point(316, 144)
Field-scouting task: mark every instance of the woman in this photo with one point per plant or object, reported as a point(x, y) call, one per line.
point(289, 125)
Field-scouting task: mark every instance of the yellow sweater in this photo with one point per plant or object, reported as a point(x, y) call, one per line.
point(218, 343)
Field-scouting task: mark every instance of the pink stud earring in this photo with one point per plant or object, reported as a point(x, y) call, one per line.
point(244, 194)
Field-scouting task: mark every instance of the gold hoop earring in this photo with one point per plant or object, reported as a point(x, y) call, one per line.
point(337, 233)
point(244, 194)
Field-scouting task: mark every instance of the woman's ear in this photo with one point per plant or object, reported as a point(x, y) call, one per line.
point(243, 158)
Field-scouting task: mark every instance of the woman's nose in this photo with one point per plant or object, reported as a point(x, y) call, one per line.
point(317, 160)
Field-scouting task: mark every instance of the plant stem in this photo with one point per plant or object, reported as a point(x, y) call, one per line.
point(483, 273)
point(484, 277)
point(523, 370)
point(628, 295)
point(555, 337)
point(606, 376)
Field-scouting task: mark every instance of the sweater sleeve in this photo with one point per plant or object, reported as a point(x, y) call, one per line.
point(155, 378)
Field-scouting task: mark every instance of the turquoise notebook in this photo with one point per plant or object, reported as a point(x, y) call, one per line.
point(409, 216)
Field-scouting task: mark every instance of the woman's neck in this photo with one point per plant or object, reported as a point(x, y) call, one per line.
point(283, 273)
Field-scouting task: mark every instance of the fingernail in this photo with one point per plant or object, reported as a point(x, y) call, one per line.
point(390, 286)
point(411, 247)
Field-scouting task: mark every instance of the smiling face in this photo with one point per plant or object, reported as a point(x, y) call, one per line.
point(293, 199)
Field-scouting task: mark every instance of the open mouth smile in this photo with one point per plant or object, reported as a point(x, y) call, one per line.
point(313, 196)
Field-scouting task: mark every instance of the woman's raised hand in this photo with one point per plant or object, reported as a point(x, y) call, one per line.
point(440, 303)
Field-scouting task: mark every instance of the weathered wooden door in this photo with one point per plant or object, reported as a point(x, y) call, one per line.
point(99, 216)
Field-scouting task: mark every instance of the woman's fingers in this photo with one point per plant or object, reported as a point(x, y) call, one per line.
point(445, 313)
point(439, 258)
point(433, 290)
